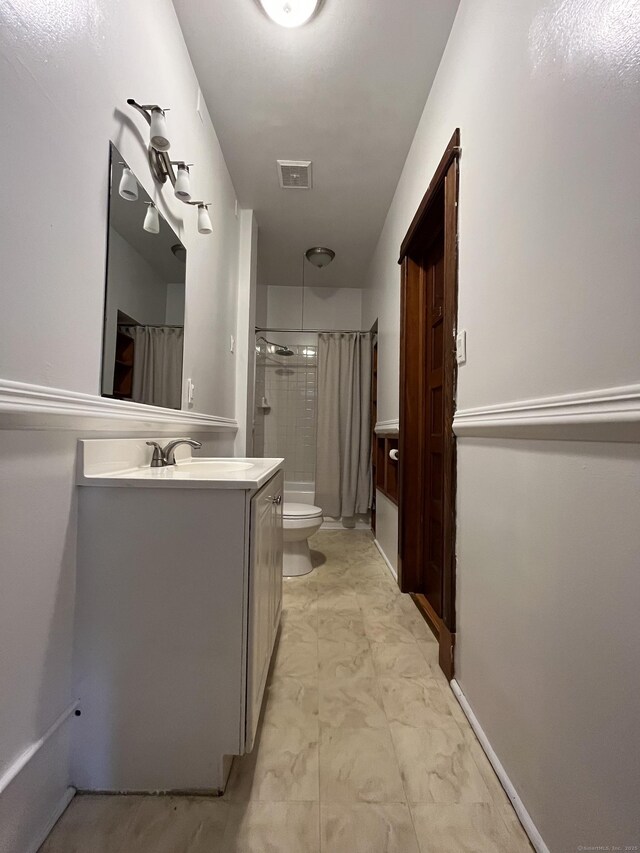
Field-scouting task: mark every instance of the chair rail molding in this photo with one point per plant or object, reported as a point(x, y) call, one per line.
point(387, 426)
point(606, 414)
point(25, 406)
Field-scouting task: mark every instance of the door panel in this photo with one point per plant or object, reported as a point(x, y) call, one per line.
point(426, 559)
point(265, 595)
point(432, 570)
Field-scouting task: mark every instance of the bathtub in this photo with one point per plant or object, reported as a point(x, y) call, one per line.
point(299, 493)
point(304, 493)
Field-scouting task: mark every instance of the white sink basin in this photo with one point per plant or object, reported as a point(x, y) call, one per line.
point(211, 467)
point(125, 462)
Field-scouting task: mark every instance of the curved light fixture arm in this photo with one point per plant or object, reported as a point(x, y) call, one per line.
point(159, 161)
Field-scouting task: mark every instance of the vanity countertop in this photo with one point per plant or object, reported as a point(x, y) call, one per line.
point(124, 462)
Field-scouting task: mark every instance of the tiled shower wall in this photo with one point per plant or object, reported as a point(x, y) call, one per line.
point(286, 410)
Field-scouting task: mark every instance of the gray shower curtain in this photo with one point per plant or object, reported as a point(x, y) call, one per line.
point(157, 365)
point(343, 447)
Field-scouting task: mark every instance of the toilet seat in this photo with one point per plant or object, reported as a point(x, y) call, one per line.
point(300, 511)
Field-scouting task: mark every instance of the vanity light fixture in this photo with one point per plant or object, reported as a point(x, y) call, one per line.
point(162, 166)
point(128, 188)
point(151, 219)
point(182, 188)
point(158, 129)
point(290, 13)
point(204, 222)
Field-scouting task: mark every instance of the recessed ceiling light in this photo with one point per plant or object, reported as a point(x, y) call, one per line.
point(290, 13)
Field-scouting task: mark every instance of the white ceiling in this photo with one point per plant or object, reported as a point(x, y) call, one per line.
point(345, 91)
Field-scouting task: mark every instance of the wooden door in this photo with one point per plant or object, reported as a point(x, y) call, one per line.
point(426, 560)
point(431, 567)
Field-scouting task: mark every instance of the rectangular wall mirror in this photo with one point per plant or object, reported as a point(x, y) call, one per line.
point(144, 303)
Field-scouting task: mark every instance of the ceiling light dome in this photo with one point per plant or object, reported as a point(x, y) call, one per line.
point(320, 256)
point(290, 13)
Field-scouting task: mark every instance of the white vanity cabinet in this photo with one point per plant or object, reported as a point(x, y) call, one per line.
point(265, 595)
point(178, 603)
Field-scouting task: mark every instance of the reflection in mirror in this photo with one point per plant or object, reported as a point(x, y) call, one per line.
point(144, 303)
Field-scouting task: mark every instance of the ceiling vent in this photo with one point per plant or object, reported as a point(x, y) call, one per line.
point(294, 174)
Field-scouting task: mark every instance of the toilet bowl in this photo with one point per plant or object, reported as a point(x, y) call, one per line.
point(299, 522)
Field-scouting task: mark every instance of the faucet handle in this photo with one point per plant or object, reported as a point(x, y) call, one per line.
point(157, 460)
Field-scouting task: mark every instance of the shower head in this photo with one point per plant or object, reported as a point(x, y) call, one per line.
point(278, 349)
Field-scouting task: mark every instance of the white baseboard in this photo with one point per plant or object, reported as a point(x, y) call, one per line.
point(55, 816)
point(525, 818)
point(18, 765)
point(386, 559)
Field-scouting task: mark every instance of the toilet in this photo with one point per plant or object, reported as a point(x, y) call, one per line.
point(299, 522)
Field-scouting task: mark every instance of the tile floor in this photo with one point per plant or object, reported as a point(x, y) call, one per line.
point(362, 746)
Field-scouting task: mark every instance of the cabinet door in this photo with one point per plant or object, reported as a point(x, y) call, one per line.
point(276, 553)
point(264, 595)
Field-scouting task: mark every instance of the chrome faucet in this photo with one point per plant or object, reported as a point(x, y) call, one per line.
point(164, 456)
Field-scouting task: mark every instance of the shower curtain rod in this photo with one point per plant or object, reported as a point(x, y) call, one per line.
point(154, 325)
point(314, 331)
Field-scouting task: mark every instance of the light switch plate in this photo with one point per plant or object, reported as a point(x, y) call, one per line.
point(461, 346)
point(191, 390)
point(232, 343)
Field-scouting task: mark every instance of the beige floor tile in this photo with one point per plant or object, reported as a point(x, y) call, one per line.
point(386, 629)
point(296, 660)
point(358, 718)
point(351, 703)
point(520, 838)
point(400, 660)
point(494, 786)
point(304, 598)
point(93, 823)
point(437, 766)
point(298, 630)
point(430, 651)
point(367, 828)
point(346, 627)
point(338, 601)
point(380, 605)
point(418, 627)
point(283, 767)
point(273, 828)
point(345, 660)
point(474, 828)
point(291, 702)
point(169, 824)
point(414, 702)
point(358, 765)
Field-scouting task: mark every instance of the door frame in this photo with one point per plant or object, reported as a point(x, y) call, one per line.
point(444, 186)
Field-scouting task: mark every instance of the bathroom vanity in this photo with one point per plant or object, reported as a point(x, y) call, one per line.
point(178, 603)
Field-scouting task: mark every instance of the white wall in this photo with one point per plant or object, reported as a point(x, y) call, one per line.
point(65, 75)
point(324, 307)
point(245, 338)
point(174, 315)
point(546, 97)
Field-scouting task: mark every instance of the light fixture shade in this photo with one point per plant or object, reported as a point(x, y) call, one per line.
point(290, 13)
point(128, 188)
point(152, 220)
point(204, 223)
point(158, 130)
point(182, 188)
point(320, 256)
